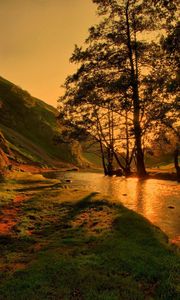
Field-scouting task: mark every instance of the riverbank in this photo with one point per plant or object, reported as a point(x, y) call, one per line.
point(151, 174)
point(162, 176)
point(68, 244)
point(154, 173)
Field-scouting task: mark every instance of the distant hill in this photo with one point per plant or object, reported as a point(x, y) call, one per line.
point(29, 125)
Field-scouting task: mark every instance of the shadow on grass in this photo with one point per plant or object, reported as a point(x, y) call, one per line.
point(132, 261)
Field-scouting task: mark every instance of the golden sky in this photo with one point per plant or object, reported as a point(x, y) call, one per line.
point(37, 39)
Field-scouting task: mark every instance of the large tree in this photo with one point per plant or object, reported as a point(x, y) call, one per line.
point(114, 70)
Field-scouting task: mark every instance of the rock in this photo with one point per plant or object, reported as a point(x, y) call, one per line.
point(171, 207)
point(75, 169)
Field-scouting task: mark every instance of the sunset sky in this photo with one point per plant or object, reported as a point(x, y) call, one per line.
point(37, 39)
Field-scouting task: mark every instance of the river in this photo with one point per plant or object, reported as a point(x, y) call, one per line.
point(157, 200)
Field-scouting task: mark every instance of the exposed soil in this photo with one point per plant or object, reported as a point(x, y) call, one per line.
point(9, 214)
point(8, 220)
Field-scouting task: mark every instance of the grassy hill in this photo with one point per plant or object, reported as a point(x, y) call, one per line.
point(29, 126)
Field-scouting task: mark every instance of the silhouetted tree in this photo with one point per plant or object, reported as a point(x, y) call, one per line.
point(164, 78)
point(115, 74)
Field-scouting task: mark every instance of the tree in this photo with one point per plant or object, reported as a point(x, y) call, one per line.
point(83, 120)
point(114, 73)
point(125, 23)
point(164, 79)
point(172, 47)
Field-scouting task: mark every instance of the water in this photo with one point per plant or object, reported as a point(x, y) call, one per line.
point(157, 200)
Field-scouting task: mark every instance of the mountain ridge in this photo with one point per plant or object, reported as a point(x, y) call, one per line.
point(28, 125)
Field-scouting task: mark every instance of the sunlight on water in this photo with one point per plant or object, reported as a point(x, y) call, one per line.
point(157, 200)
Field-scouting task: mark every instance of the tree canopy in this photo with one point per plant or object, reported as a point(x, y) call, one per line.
point(119, 92)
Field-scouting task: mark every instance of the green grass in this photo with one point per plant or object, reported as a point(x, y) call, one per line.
point(82, 246)
point(93, 158)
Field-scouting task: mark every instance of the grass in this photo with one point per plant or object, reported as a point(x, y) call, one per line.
point(93, 158)
point(69, 245)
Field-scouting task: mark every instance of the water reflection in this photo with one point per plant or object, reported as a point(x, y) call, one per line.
point(151, 198)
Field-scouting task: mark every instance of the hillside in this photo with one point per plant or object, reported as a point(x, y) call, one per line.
point(4, 152)
point(29, 125)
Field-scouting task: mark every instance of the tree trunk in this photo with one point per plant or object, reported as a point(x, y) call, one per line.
point(103, 158)
point(110, 162)
point(119, 162)
point(141, 171)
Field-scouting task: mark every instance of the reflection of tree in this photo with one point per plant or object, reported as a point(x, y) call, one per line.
point(140, 198)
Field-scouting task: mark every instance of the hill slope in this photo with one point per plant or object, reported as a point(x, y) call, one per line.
point(29, 125)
